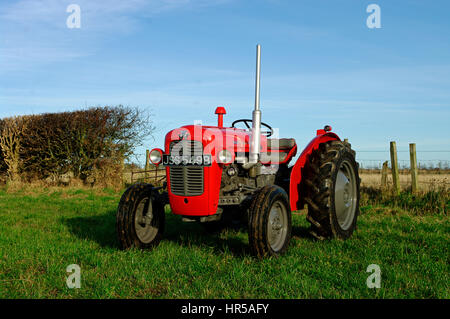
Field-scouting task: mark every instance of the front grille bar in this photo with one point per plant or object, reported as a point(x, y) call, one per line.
point(186, 180)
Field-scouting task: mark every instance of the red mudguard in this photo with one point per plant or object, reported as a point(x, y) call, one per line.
point(296, 173)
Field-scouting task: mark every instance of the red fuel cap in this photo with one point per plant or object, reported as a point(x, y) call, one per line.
point(220, 111)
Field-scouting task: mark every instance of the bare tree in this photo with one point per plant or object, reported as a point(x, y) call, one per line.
point(10, 142)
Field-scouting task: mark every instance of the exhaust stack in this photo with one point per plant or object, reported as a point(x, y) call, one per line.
point(255, 145)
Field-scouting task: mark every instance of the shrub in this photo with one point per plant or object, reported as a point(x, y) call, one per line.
point(82, 142)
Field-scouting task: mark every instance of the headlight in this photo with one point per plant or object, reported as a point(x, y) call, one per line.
point(156, 156)
point(225, 157)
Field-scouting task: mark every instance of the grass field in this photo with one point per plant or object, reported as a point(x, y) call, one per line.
point(427, 180)
point(44, 231)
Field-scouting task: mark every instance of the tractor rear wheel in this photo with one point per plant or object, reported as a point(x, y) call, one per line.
point(140, 217)
point(269, 222)
point(332, 190)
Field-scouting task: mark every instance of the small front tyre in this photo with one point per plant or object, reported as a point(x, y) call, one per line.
point(140, 217)
point(269, 222)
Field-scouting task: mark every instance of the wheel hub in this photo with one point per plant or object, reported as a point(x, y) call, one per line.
point(345, 195)
point(277, 226)
point(146, 220)
point(143, 221)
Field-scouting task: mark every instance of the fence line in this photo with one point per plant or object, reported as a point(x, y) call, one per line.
point(374, 163)
point(404, 164)
point(151, 175)
point(413, 171)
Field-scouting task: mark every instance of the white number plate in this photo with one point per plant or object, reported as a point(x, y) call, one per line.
point(185, 160)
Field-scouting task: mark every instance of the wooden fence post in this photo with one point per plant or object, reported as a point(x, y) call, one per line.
point(147, 164)
point(394, 166)
point(384, 172)
point(413, 159)
point(123, 170)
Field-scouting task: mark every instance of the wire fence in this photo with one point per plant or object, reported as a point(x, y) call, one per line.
point(427, 159)
point(423, 162)
point(434, 172)
point(405, 164)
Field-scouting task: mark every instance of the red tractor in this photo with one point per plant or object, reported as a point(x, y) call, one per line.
point(214, 172)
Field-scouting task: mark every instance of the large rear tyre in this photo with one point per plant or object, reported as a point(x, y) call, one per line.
point(140, 217)
point(332, 190)
point(270, 222)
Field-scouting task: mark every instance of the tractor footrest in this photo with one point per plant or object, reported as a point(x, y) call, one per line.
point(211, 218)
point(230, 200)
point(203, 219)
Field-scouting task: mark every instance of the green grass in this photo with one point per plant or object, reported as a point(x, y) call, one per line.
point(435, 201)
point(42, 233)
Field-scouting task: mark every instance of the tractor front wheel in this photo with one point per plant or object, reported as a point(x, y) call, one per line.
point(269, 222)
point(140, 217)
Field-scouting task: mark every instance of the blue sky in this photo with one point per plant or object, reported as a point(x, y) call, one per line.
point(321, 64)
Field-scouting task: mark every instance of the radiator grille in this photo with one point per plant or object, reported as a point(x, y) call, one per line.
point(186, 147)
point(186, 180)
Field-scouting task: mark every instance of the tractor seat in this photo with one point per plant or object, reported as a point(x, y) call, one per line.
point(280, 143)
point(278, 150)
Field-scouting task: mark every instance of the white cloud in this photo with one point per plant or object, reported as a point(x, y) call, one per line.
point(100, 13)
point(37, 33)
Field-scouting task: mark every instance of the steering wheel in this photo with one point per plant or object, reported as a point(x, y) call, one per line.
point(247, 121)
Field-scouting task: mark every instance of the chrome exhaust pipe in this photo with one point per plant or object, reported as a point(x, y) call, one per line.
point(255, 145)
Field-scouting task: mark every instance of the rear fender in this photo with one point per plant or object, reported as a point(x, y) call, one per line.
point(296, 174)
